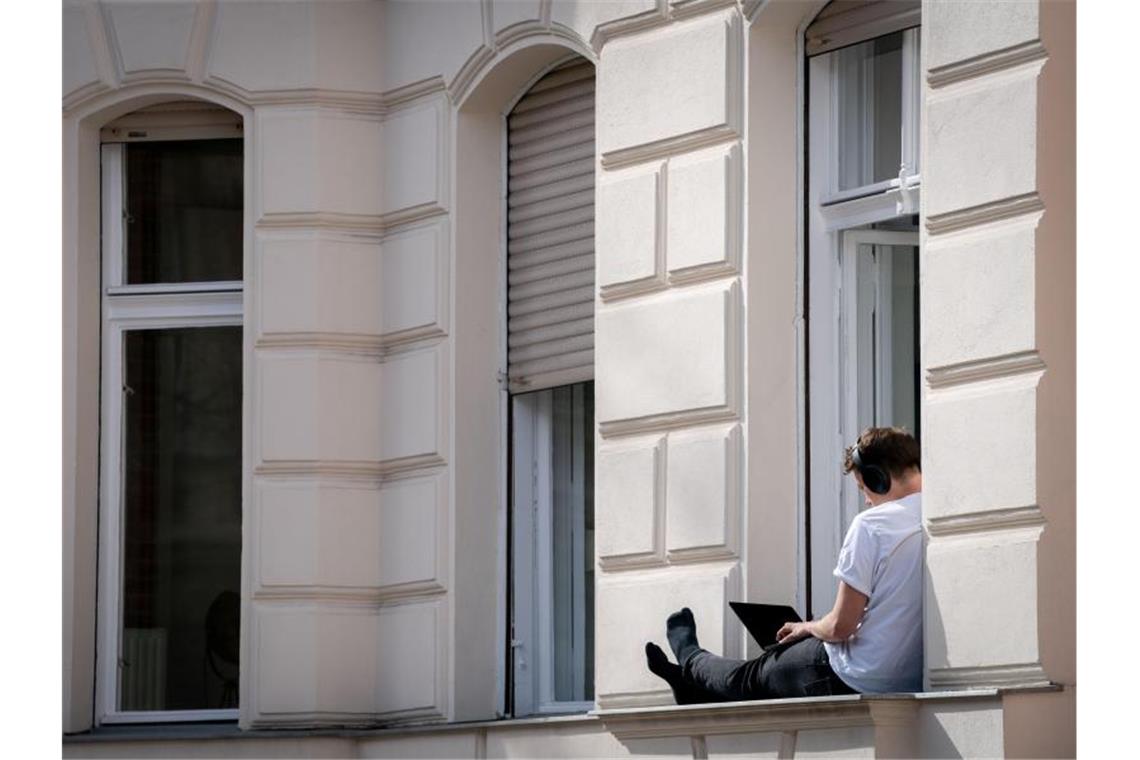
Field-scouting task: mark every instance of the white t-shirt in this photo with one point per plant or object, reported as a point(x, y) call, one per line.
point(882, 558)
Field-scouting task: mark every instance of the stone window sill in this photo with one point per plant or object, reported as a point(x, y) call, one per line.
point(624, 723)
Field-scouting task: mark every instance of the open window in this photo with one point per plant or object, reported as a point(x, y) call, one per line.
point(171, 417)
point(863, 186)
point(550, 340)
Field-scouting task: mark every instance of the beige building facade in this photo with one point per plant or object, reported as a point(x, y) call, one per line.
point(408, 207)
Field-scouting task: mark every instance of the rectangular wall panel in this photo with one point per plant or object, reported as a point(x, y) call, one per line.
point(981, 143)
point(695, 67)
point(411, 403)
point(414, 281)
point(702, 489)
point(632, 612)
point(313, 160)
point(978, 295)
point(316, 282)
point(978, 623)
point(671, 354)
point(629, 502)
point(703, 213)
point(629, 210)
point(957, 31)
point(980, 448)
point(318, 533)
point(412, 542)
point(414, 145)
point(410, 662)
point(319, 407)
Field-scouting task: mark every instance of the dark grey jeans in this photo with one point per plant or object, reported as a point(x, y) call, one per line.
point(800, 669)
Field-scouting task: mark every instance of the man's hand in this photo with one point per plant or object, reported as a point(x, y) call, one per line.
point(792, 632)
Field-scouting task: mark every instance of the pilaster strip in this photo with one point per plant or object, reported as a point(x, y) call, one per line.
point(990, 676)
point(1006, 208)
point(669, 146)
point(990, 368)
point(987, 63)
point(201, 40)
point(986, 522)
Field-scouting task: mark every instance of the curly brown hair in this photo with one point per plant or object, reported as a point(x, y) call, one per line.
point(892, 448)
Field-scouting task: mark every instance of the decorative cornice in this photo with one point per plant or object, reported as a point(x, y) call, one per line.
point(323, 220)
point(990, 368)
point(354, 470)
point(986, 522)
point(683, 9)
point(669, 421)
point(356, 102)
point(414, 91)
point(641, 561)
point(1006, 208)
point(371, 598)
point(371, 346)
point(990, 676)
point(621, 27)
point(411, 215)
point(987, 63)
point(632, 288)
point(515, 32)
point(670, 146)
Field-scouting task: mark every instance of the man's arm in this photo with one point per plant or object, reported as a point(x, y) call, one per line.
point(837, 625)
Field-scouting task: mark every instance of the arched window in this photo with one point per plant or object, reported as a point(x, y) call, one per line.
point(863, 184)
point(550, 357)
point(171, 433)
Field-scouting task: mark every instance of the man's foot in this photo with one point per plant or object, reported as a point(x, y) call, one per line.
point(681, 630)
point(660, 666)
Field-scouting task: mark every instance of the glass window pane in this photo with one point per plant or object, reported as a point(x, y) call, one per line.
point(572, 433)
point(183, 211)
point(886, 324)
point(182, 519)
point(869, 98)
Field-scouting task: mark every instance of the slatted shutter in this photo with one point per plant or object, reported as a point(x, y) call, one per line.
point(847, 22)
point(550, 231)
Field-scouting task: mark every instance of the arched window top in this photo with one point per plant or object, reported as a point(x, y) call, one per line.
point(847, 22)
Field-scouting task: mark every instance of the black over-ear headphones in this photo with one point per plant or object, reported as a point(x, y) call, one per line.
point(875, 478)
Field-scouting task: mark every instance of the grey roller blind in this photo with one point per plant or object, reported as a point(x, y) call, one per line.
point(846, 22)
point(550, 231)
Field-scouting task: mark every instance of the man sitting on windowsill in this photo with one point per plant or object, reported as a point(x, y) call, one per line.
point(871, 641)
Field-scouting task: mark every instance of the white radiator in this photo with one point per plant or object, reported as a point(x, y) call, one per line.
point(143, 669)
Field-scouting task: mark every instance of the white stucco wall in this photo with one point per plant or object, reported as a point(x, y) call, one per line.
point(373, 497)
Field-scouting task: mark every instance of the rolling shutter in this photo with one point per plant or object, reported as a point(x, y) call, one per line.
point(550, 231)
point(847, 22)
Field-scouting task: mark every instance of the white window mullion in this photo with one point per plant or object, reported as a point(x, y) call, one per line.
point(113, 210)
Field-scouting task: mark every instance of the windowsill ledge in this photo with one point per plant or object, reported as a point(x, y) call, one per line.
point(631, 722)
point(877, 710)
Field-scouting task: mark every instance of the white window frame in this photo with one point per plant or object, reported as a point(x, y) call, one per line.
point(533, 642)
point(136, 307)
point(838, 222)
